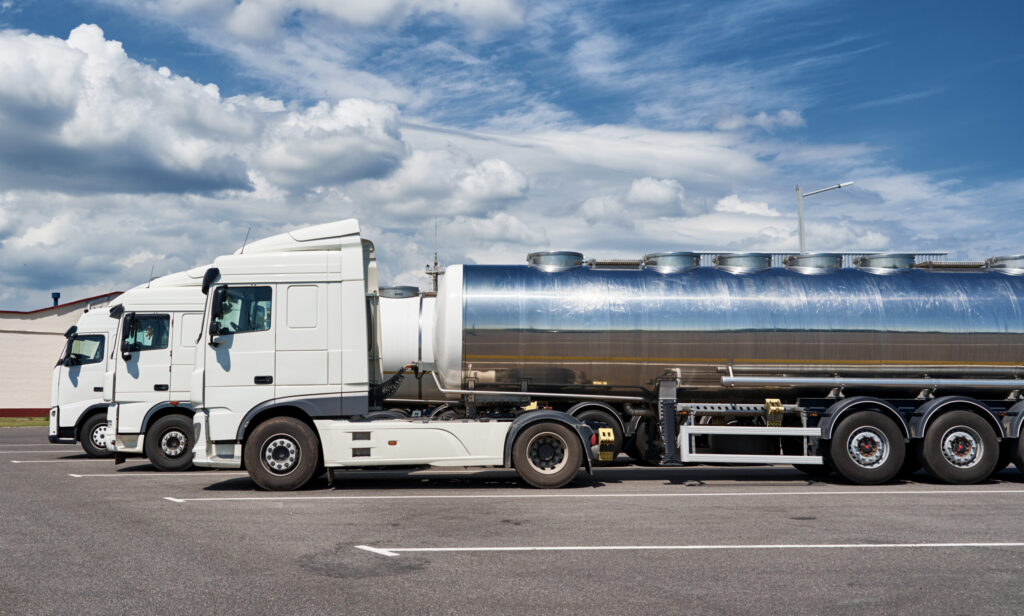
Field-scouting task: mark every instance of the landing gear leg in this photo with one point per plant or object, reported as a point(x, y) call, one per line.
point(667, 422)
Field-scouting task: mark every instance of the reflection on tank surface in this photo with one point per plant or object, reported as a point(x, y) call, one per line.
point(620, 330)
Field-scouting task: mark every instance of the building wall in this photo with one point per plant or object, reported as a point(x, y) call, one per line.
point(30, 343)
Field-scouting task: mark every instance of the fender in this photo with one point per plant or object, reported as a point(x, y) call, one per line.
point(322, 406)
point(1013, 430)
point(844, 407)
point(96, 408)
point(527, 419)
point(599, 405)
point(931, 409)
point(184, 407)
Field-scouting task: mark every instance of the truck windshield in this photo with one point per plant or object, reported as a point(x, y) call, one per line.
point(245, 309)
point(86, 349)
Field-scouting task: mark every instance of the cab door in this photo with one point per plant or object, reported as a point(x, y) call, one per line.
point(143, 372)
point(239, 351)
point(79, 376)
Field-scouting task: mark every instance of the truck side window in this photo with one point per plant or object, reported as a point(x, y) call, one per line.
point(85, 350)
point(245, 309)
point(148, 332)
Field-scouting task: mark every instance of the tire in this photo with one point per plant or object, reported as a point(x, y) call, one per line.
point(969, 442)
point(282, 454)
point(1006, 449)
point(646, 446)
point(444, 413)
point(867, 448)
point(547, 454)
point(94, 436)
point(604, 417)
point(169, 443)
point(1017, 454)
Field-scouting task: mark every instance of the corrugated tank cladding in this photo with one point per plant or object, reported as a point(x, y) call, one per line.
point(618, 331)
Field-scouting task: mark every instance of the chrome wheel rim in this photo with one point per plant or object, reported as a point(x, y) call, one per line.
point(173, 443)
point(868, 447)
point(280, 454)
point(99, 436)
point(962, 447)
point(547, 453)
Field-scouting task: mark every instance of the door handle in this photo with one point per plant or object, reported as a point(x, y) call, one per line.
point(262, 380)
point(97, 389)
point(160, 388)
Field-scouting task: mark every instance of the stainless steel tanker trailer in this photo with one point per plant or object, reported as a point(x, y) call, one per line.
point(868, 370)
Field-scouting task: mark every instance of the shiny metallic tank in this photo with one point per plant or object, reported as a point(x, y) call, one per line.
point(618, 331)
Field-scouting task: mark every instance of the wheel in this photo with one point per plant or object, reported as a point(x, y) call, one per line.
point(282, 454)
point(386, 414)
point(169, 443)
point(867, 448)
point(606, 420)
point(1017, 454)
point(94, 436)
point(1006, 449)
point(547, 454)
point(646, 446)
point(444, 413)
point(959, 447)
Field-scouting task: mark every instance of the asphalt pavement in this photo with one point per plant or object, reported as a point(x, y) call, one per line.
point(83, 536)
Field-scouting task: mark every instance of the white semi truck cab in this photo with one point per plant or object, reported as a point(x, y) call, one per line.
point(288, 372)
point(147, 383)
point(78, 411)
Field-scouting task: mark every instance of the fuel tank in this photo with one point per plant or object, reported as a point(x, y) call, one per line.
point(574, 328)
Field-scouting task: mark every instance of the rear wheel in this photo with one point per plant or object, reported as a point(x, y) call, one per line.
point(94, 436)
point(547, 455)
point(169, 443)
point(1006, 449)
point(959, 447)
point(282, 454)
point(867, 448)
point(605, 418)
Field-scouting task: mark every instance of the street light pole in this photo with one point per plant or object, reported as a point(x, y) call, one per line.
point(800, 194)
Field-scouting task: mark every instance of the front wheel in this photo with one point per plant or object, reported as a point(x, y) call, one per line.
point(169, 443)
point(867, 448)
point(282, 454)
point(94, 436)
point(959, 447)
point(547, 455)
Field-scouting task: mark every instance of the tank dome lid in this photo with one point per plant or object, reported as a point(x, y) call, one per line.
point(399, 292)
point(743, 262)
point(885, 262)
point(668, 262)
point(814, 262)
point(555, 261)
point(1012, 264)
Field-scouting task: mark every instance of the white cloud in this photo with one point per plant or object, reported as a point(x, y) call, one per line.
point(786, 118)
point(733, 204)
point(45, 235)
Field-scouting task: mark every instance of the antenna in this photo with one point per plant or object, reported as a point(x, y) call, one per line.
point(242, 251)
point(436, 270)
point(151, 268)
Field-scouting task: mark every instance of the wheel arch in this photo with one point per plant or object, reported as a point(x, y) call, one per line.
point(163, 410)
point(580, 429)
point(263, 412)
point(835, 414)
point(1015, 414)
point(95, 409)
point(594, 404)
point(932, 409)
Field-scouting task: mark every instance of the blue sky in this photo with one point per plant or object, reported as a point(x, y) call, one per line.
point(614, 128)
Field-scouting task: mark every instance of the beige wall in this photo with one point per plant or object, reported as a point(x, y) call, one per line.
point(29, 345)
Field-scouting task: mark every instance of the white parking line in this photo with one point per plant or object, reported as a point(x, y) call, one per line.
point(60, 460)
point(159, 474)
point(795, 546)
point(45, 451)
point(893, 492)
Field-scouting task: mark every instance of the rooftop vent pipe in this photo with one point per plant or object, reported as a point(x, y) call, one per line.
point(554, 261)
point(671, 262)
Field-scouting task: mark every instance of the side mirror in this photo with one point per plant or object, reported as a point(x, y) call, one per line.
point(216, 312)
point(128, 331)
point(209, 277)
point(71, 331)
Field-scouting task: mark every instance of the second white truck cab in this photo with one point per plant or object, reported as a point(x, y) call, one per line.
point(147, 384)
point(77, 409)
